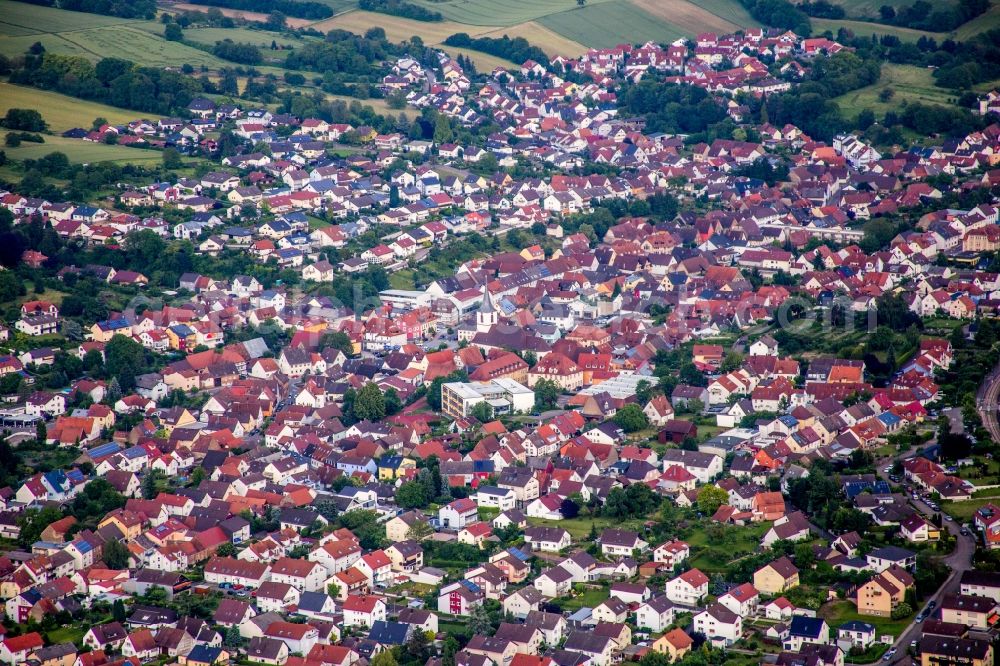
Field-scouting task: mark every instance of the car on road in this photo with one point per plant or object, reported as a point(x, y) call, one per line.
point(932, 605)
point(947, 517)
point(920, 617)
point(889, 655)
point(888, 469)
point(964, 531)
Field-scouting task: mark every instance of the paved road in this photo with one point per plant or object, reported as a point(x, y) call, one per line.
point(987, 398)
point(959, 561)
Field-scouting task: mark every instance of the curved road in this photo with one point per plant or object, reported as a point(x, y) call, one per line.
point(959, 561)
point(987, 398)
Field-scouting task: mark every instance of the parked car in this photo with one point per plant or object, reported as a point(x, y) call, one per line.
point(889, 655)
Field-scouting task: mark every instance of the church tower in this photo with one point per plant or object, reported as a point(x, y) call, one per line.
point(487, 315)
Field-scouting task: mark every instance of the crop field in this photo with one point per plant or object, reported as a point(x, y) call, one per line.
point(91, 36)
point(603, 25)
point(83, 151)
point(908, 82)
point(988, 21)
point(61, 112)
point(689, 17)
point(502, 12)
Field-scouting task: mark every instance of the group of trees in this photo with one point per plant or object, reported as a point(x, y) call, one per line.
point(779, 14)
point(517, 49)
point(112, 80)
point(297, 8)
point(674, 109)
point(923, 15)
point(246, 54)
point(401, 8)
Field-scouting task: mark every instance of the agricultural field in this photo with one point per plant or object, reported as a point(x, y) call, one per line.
point(689, 17)
point(606, 24)
point(82, 151)
point(60, 112)
point(91, 36)
point(908, 83)
point(502, 12)
point(210, 36)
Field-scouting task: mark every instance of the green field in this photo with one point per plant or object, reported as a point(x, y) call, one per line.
point(81, 151)
point(61, 112)
point(870, 8)
point(501, 12)
point(606, 24)
point(908, 83)
point(92, 36)
point(839, 612)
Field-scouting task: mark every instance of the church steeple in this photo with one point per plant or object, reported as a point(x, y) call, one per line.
point(487, 315)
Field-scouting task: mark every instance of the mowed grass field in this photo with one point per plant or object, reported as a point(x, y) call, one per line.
point(908, 82)
point(61, 112)
point(82, 151)
point(870, 8)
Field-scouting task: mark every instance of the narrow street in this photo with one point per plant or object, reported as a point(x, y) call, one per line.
point(959, 561)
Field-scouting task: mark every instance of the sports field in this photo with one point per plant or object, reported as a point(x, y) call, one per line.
point(61, 112)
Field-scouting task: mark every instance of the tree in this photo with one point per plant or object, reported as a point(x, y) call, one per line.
point(643, 391)
point(710, 498)
point(233, 638)
point(171, 159)
point(569, 508)
point(546, 395)
point(41, 432)
point(226, 549)
point(172, 32)
point(482, 412)
point(149, 489)
point(116, 555)
point(419, 531)
point(118, 612)
point(412, 495)
point(581, 3)
point(631, 418)
point(32, 522)
point(369, 404)
point(901, 611)
point(384, 658)
point(124, 359)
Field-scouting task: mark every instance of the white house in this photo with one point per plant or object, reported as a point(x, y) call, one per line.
point(689, 588)
point(720, 625)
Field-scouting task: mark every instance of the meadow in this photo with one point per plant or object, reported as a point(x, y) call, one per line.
point(81, 151)
point(908, 83)
point(61, 112)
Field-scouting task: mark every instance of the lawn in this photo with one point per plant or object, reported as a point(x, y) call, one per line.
point(837, 613)
point(716, 555)
point(82, 151)
point(963, 511)
point(579, 527)
point(70, 634)
point(60, 112)
point(908, 83)
point(584, 595)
